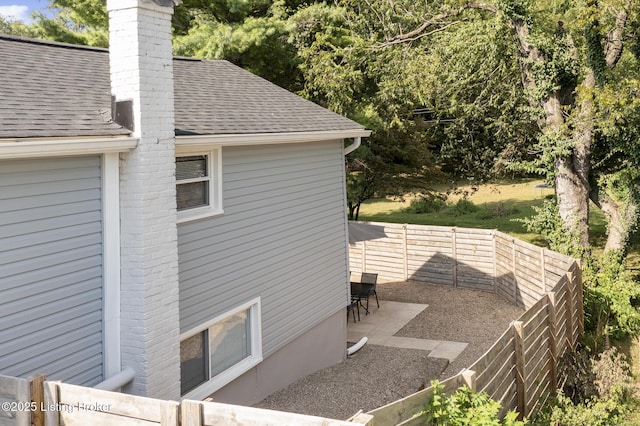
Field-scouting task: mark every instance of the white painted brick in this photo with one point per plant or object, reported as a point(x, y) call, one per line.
point(141, 70)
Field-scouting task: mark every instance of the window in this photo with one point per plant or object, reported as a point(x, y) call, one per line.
point(198, 184)
point(218, 352)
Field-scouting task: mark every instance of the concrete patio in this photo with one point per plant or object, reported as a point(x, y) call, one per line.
point(381, 325)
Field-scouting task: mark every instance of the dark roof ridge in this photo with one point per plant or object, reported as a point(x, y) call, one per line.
point(52, 43)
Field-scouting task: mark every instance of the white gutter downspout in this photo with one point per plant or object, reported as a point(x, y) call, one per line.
point(117, 381)
point(348, 150)
point(355, 145)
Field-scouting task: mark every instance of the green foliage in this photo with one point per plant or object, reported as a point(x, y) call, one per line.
point(547, 223)
point(594, 412)
point(597, 390)
point(465, 408)
point(260, 44)
point(559, 68)
point(75, 21)
point(610, 295)
point(463, 207)
point(427, 203)
point(609, 289)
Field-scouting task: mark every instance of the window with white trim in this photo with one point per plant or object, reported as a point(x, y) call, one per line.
point(221, 350)
point(198, 184)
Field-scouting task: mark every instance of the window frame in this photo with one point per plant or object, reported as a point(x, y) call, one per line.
point(214, 169)
point(225, 377)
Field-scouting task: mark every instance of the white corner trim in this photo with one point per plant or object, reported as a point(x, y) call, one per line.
point(111, 262)
point(269, 138)
point(38, 147)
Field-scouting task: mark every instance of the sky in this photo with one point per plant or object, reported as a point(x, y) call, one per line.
point(21, 9)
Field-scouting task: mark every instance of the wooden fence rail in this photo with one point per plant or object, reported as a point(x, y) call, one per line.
point(36, 402)
point(520, 369)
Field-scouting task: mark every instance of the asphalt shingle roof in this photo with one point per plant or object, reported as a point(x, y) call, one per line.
point(60, 90)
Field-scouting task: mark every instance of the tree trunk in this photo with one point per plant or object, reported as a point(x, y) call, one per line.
point(622, 219)
point(572, 172)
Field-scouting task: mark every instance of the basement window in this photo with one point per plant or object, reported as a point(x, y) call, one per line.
point(221, 350)
point(198, 185)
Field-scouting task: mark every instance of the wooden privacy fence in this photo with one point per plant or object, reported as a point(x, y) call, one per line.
point(520, 369)
point(26, 402)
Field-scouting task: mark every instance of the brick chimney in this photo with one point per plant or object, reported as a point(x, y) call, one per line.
point(141, 68)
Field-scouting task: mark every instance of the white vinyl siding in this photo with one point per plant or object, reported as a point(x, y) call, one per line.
point(282, 238)
point(51, 269)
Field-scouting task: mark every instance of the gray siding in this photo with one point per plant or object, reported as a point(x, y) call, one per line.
point(51, 269)
point(282, 237)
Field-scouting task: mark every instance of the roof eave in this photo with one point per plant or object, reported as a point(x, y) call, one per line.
point(269, 138)
point(55, 147)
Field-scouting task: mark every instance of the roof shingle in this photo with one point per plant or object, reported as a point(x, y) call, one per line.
point(60, 90)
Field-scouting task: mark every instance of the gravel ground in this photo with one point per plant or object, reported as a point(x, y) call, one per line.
point(474, 317)
point(372, 377)
point(377, 375)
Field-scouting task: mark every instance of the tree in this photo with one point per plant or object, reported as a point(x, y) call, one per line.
point(568, 74)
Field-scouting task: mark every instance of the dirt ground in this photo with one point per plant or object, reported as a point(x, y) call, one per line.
point(377, 375)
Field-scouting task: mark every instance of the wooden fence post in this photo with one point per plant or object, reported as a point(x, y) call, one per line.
point(580, 291)
point(468, 377)
point(495, 262)
point(454, 270)
point(570, 310)
point(36, 387)
point(553, 340)
point(191, 413)
point(514, 267)
point(543, 270)
point(52, 399)
point(518, 339)
point(404, 252)
point(364, 256)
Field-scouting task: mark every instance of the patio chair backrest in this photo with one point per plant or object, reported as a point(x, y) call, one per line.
point(369, 278)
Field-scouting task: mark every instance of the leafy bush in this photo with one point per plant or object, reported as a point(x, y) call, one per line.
point(465, 408)
point(613, 375)
point(497, 210)
point(609, 296)
point(462, 207)
point(597, 391)
point(429, 203)
point(593, 412)
point(576, 370)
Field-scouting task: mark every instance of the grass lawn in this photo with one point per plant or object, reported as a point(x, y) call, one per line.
point(498, 206)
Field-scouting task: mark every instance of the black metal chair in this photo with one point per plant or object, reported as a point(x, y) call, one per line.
point(365, 288)
point(353, 307)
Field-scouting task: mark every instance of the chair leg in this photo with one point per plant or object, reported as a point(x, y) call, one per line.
point(374, 292)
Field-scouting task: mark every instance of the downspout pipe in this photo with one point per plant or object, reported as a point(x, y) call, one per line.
point(117, 381)
point(355, 145)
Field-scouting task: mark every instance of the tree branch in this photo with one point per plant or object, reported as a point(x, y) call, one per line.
point(396, 40)
point(437, 20)
point(613, 48)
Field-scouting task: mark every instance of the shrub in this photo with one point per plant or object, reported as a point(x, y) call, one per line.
point(465, 408)
point(497, 210)
point(462, 207)
point(597, 391)
point(429, 203)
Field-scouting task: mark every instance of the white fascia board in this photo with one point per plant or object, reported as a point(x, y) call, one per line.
point(40, 147)
point(269, 138)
